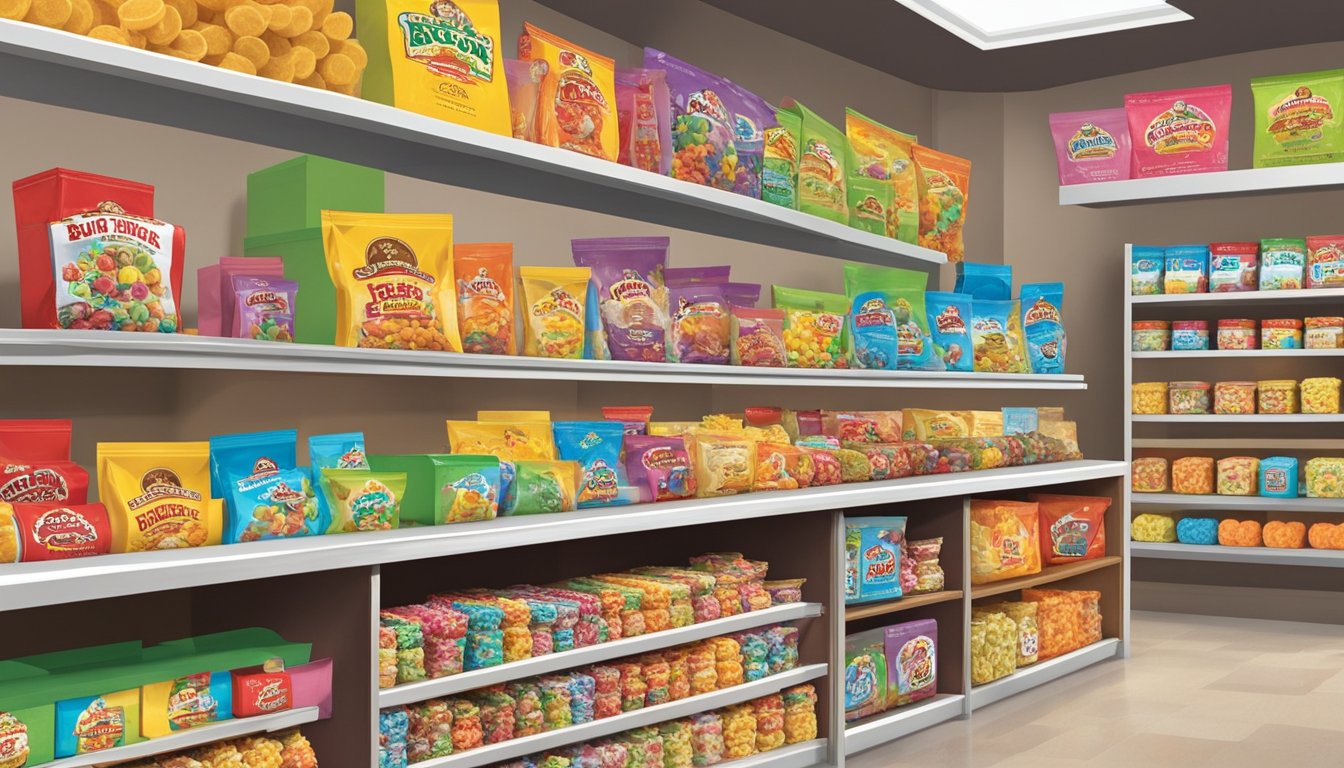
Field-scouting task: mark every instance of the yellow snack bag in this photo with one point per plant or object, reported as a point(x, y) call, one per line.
point(673, 428)
point(1005, 540)
point(923, 424)
point(440, 58)
point(158, 495)
point(984, 423)
point(553, 310)
point(725, 464)
point(393, 274)
point(507, 440)
point(575, 96)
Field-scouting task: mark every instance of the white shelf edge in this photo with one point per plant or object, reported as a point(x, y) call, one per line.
point(889, 726)
point(34, 584)
point(187, 739)
point(1043, 672)
point(802, 755)
point(1191, 501)
point(515, 748)
point(1304, 295)
point(1214, 553)
point(629, 646)
point(1258, 418)
point(1222, 353)
point(1299, 178)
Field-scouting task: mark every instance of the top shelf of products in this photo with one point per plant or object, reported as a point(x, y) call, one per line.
point(1251, 181)
point(55, 67)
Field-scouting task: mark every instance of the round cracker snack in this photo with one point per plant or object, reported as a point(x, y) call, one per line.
point(49, 13)
point(137, 15)
point(110, 34)
point(305, 63)
point(314, 41)
point(244, 20)
point(83, 17)
point(218, 40)
point(253, 49)
point(338, 26)
point(167, 30)
point(238, 63)
point(337, 69)
point(14, 9)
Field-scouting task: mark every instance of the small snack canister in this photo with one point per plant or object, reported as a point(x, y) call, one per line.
point(1150, 336)
point(1277, 396)
point(1237, 334)
point(1238, 475)
point(1320, 395)
point(1234, 397)
point(1192, 475)
point(1285, 333)
point(1323, 333)
point(1278, 477)
point(1188, 335)
point(1149, 475)
point(1189, 397)
point(1149, 397)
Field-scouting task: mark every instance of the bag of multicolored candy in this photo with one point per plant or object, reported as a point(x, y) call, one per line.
point(881, 153)
point(596, 447)
point(752, 116)
point(903, 291)
point(484, 273)
point(1147, 264)
point(779, 168)
point(1043, 326)
point(996, 335)
point(553, 309)
point(758, 337)
point(660, 467)
point(362, 500)
point(944, 193)
point(263, 308)
point(544, 487)
point(949, 316)
point(815, 333)
point(703, 139)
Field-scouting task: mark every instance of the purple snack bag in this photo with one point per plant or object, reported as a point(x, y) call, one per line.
point(683, 275)
point(751, 117)
point(700, 321)
point(1091, 146)
point(632, 296)
point(699, 118)
point(660, 467)
point(214, 291)
point(263, 308)
point(644, 115)
point(745, 295)
point(912, 661)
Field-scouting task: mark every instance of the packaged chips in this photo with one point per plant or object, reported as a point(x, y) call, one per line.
point(158, 495)
point(821, 165)
point(1072, 528)
point(553, 311)
point(596, 447)
point(632, 293)
point(1043, 326)
point(1005, 540)
point(576, 94)
point(484, 273)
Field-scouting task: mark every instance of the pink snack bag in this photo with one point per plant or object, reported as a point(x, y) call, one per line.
point(214, 289)
point(1092, 145)
point(1180, 131)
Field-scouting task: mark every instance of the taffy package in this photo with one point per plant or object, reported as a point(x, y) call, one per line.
point(724, 464)
point(703, 135)
point(1072, 528)
point(660, 467)
point(1146, 265)
point(1298, 119)
point(484, 273)
point(949, 317)
point(263, 308)
point(814, 327)
point(779, 168)
point(1043, 326)
point(997, 348)
point(870, 204)
point(632, 293)
point(544, 487)
point(393, 274)
point(1179, 131)
point(33, 533)
point(553, 311)
point(881, 153)
point(944, 193)
point(1091, 146)
point(700, 320)
point(758, 337)
point(576, 94)
point(821, 165)
point(1005, 540)
point(158, 495)
point(644, 115)
point(443, 60)
point(596, 447)
point(363, 500)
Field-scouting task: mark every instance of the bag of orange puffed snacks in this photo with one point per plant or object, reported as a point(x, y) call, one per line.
point(576, 96)
point(158, 495)
point(485, 297)
point(393, 274)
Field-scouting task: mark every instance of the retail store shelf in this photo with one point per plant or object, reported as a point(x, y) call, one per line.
point(515, 748)
point(1046, 576)
point(856, 612)
point(141, 351)
point(802, 755)
point(1170, 501)
point(629, 646)
point(898, 723)
point(1204, 354)
point(54, 67)
point(1323, 558)
point(1043, 672)
point(1251, 181)
point(1257, 418)
point(1304, 296)
point(194, 737)
point(32, 584)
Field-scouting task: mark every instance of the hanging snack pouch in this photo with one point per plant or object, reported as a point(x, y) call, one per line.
point(158, 495)
point(1005, 540)
point(995, 351)
point(1073, 528)
point(1043, 326)
point(544, 487)
point(263, 308)
point(821, 165)
point(751, 116)
point(1180, 131)
point(484, 273)
point(881, 153)
point(873, 329)
point(660, 467)
point(814, 327)
point(522, 99)
point(991, 282)
point(949, 317)
point(870, 203)
point(758, 337)
point(1187, 269)
point(1091, 146)
point(1298, 119)
point(644, 115)
point(32, 533)
point(363, 500)
point(1325, 261)
point(553, 311)
point(393, 274)
point(703, 136)
point(779, 168)
point(944, 193)
point(269, 504)
point(1233, 267)
point(632, 293)
point(1283, 263)
point(724, 464)
point(700, 321)
point(1146, 266)
point(596, 447)
point(576, 95)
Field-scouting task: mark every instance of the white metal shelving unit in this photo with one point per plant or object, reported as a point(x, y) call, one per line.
point(1177, 501)
point(1323, 558)
point(1252, 354)
point(1221, 301)
point(898, 723)
point(1251, 181)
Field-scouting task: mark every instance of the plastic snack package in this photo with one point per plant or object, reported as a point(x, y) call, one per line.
point(484, 273)
point(929, 576)
point(1018, 421)
point(758, 337)
point(902, 290)
point(1283, 263)
point(1281, 535)
point(1237, 476)
point(263, 308)
point(873, 332)
point(751, 116)
point(1320, 395)
point(1297, 118)
point(814, 327)
point(993, 647)
point(522, 86)
point(632, 293)
point(362, 500)
point(944, 193)
point(949, 315)
point(777, 467)
point(268, 505)
point(882, 154)
point(1091, 146)
point(724, 464)
point(158, 495)
point(1043, 326)
point(576, 94)
point(744, 295)
point(393, 725)
point(1278, 477)
point(866, 675)
point(1325, 261)
point(1192, 475)
point(1197, 530)
point(25, 479)
point(821, 165)
point(250, 453)
point(800, 713)
point(660, 467)
point(869, 202)
point(338, 451)
point(912, 663)
point(1324, 477)
point(596, 446)
point(1240, 533)
point(988, 282)
point(36, 439)
point(1005, 540)
point(1154, 528)
point(1147, 263)
point(1023, 615)
point(1179, 131)
point(1073, 528)
point(703, 131)
point(1149, 475)
point(1326, 536)
point(510, 435)
point(1187, 269)
point(553, 310)
point(996, 346)
point(863, 426)
point(872, 558)
point(394, 279)
point(644, 116)
point(1233, 267)
point(544, 487)
point(1324, 332)
point(699, 322)
point(1068, 619)
point(37, 532)
point(429, 730)
point(779, 166)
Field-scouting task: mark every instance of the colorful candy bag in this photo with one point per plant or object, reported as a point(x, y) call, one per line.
point(1233, 266)
point(996, 348)
point(522, 99)
point(1146, 265)
point(1187, 269)
point(821, 165)
point(1043, 326)
point(944, 193)
point(553, 311)
point(339, 451)
point(1072, 528)
point(870, 204)
point(269, 505)
point(544, 487)
point(394, 279)
point(703, 135)
point(779, 167)
point(752, 116)
point(1325, 261)
point(576, 94)
point(881, 153)
point(1298, 119)
point(660, 467)
point(596, 446)
point(469, 487)
point(632, 293)
point(814, 327)
point(32, 533)
point(724, 464)
point(1091, 146)
point(948, 317)
point(700, 320)
point(363, 500)
point(872, 325)
point(903, 291)
point(758, 337)
point(1005, 540)
point(1179, 131)
point(644, 116)
point(991, 282)
point(158, 495)
point(484, 273)
point(263, 308)
point(742, 294)
point(1283, 263)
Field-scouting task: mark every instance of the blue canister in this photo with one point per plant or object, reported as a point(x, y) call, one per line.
point(1278, 477)
point(1197, 530)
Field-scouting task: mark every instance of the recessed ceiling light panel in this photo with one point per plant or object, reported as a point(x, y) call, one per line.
point(991, 24)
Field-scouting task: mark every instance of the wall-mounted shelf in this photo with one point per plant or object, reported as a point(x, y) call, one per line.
point(1193, 186)
point(1218, 354)
point(1232, 298)
point(1252, 418)
point(1170, 501)
point(1325, 558)
point(1047, 575)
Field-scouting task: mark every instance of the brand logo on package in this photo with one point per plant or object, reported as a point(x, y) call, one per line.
point(63, 529)
point(708, 104)
point(1091, 142)
point(1041, 311)
point(1183, 128)
point(390, 255)
point(949, 321)
point(33, 484)
point(447, 43)
point(485, 285)
point(1303, 112)
point(881, 563)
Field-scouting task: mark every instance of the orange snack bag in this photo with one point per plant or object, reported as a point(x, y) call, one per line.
point(1283, 535)
point(575, 97)
point(1005, 540)
point(944, 191)
point(484, 274)
point(1239, 533)
point(1072, 527)
point(1326, 536)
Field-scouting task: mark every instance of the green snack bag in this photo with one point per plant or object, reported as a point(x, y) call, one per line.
point(1297, 118)
point(363, 500)
point(879, 152)
point(869, 204)
point(445, 488)
point(544, 487)
point(779, 171)
point(815, 333)
point(821, 165)
point(865, 674)
point(903, 290)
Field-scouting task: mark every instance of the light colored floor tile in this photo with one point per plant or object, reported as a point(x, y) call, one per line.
point(1286, 681)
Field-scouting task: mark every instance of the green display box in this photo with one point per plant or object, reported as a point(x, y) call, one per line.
point(305, 263)
point(292, 195)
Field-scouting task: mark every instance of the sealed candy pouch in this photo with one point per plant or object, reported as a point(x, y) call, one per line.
point(553, 311)
point(1043, 326)
point(660, 467)
point(724, 464)
point(632, 293)
point(814, 327)
point(1091, 146)
point(22, 480)
point(484, 273)
point(158, 495)
point(515, 439)
point(249, 453)
point(703, 136)
point(1325, 261)
point(779, 168)
point(1072, 528)
point(821, 165)
point(1146, 266)
point(873, 330)
point(338, 451)
point(944, 192)
point(882, 154)
point(1179, 131)
point(363, 500)
point(576, 94)
point(215, 295)
point(269, 505)
point(1298, 119)
point(644, 116)
point(996, 348)
point(1233, 267)
point(870, 203)
point(32, 533)
point(393, 274)
point(758, 337)
point(596, 447)
point(263, 308)
point(700, 323)
point(544, 487)
point(522, 99)
point(991, 282)
point(468, 487)
point(903, 292)
point(1187, 269)
point(1283, 263)
point(949, 317)
point(751, 116)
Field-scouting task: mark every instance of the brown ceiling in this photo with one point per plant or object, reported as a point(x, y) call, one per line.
point(885, 35)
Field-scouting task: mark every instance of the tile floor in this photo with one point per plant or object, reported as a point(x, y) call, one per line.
point(1197, 691)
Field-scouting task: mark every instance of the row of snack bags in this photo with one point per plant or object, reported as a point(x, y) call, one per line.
point(890, 667)
point(1322, 477)
point(1015, 538)
point(1163, 133)
point(1044, 624)
point(1232, 532)
point(880, 563)
point(1271, 264)
point(289, 749)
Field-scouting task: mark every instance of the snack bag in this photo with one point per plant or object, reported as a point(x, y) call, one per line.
point(576, 95)
point(522, 99)
point(216, 303)
point(903, 291)
point(922, 424)
point(948, 317)
point(944, 193)
point(744, 295)
point(632, 293)
point(751, 117)
point(821, 165)
point(873, 556)
point(644, 115)
point(779, 168)
point(1232, 266)
point(881, 153)
point(1147, 263)
point(660, 467)
point(268, 504)
point(865, 675)
point(468, 487)
point(870, 204)
point(758, 337)
point(1187, 269)
point(724, 464)
point(339, 451)
point(511, 439)
point(1325, 261)
point(263, 308)
point(249, 453)
point(544, 487)
point(1179, 131)
point(996, 349)
point(700, 322)
point(1072, 528)
point(991, 282)
point(596, 447)
point(1297, 118)
point(442, 60)
point(814, 327)
point(394, 279)
point(157, 495)
point(1283, 263)
point(33, 533)
point(703, 135)
point(553, 311)
point(1005, 540)
point(912, 661)
point(872, 324)
point(25, 480)
point(1043, 326)
point(363, 500)
point(484, 273)
point(1091, 146)
point(36, 439)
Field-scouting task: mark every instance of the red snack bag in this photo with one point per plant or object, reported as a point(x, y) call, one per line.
point(1072, 527)
point(36, 439)
point(43, 481)
point(54, 531)
point(259, 692)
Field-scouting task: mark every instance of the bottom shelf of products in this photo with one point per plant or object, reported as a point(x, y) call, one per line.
point(1214, 553)
point(258, 741)
point(1043, 672)
point(903, 721)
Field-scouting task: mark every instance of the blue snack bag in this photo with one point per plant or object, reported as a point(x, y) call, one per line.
point(250, 453)
point(1278, 477)
point(872, 326)
point(1043, 326)
point(270, 505)
point(986, 282)
point(344, 450)
point(876, 556)
point(949, 316)
point(1146, 265)
point(1197, 530)
point(1020, 421)
point(596, 446)
point(1187, 269)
